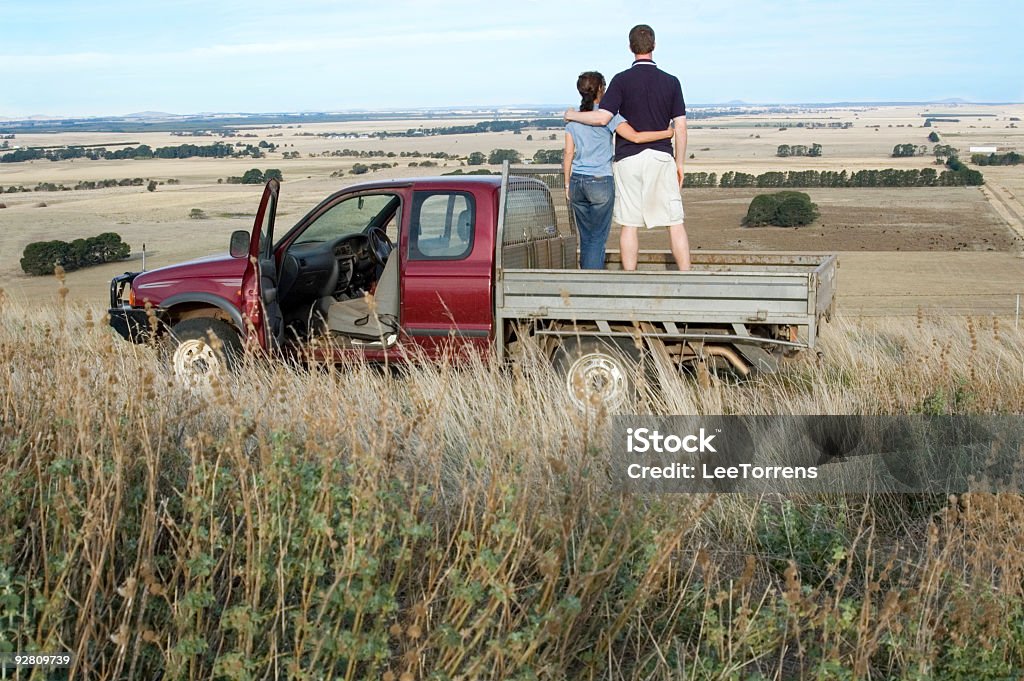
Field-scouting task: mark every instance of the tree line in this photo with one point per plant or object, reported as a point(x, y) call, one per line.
point(1010, 158)
point(379, 153)
point(482, 126)
point(810, 125)
point(888, 177)
point(81, 185)
point(143, 151)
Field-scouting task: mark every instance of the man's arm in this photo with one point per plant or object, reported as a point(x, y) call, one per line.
point(679, 140)
point(570, 151)
point(597, 117)
point(627, 131)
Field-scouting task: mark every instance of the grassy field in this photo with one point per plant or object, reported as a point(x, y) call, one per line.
point(445, 522)
point(458, 522)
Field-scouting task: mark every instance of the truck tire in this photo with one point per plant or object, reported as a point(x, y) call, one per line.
point(200, 348)
point(598, 371)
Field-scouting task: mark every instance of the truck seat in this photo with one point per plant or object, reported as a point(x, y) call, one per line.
point(354, 318)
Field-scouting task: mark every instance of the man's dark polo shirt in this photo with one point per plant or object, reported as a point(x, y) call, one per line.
point(648, 98)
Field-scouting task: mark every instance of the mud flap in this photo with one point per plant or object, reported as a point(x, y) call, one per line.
point(760, 359)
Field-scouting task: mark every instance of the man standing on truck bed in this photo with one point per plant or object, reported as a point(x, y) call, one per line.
point(647, 182)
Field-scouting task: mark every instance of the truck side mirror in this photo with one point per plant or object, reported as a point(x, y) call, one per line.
point(239, 243)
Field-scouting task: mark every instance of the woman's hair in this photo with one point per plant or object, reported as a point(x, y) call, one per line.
point(589, 84)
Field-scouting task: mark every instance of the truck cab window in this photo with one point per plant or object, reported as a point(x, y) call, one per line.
point(442, 226)
point(353, 216)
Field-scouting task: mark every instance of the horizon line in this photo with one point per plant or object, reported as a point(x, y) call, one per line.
point(492, 108)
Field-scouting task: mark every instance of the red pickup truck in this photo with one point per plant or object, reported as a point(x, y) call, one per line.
point(469, 262)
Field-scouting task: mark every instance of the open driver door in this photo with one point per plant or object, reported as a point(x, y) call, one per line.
point(261, 310)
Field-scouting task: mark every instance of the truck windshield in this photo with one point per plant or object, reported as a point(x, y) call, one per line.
point(353, 215)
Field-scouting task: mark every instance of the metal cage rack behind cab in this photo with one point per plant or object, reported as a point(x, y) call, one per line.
point(536, 228)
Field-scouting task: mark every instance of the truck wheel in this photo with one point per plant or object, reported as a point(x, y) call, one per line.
point(201, 348)
point(597, 371)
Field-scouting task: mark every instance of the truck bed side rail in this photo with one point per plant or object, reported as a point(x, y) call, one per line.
point(681, 297)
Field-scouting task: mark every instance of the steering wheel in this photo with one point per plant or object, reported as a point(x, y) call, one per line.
point(380, 245)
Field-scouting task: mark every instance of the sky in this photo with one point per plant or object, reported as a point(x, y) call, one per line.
point(65, 58)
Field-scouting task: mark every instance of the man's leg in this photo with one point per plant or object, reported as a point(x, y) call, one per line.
point(680, 245)
point(629, 247)
point(663, 204)
point(629, 208)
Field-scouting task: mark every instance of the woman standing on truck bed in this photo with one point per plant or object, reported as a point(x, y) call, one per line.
point(587, 163)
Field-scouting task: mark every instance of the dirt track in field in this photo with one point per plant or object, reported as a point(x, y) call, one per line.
point(1007, 205)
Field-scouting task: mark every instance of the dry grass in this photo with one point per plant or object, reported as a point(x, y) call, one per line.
point(443, 522)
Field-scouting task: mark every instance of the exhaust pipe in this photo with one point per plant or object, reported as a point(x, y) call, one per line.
point(729, 354)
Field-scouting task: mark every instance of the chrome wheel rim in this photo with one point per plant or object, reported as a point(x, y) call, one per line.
point(596, 379)
point(195, 363)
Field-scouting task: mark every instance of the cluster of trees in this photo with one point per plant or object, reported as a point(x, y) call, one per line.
point(785, 150)
point(1010, 158)
point(700, 179)
point(143, 151)
point(783, 209)
point(257, 176)
point(959, 175)
point(942, 152)
point(543, 156)
point(499, 156)
point(945, 152)
point(42, 257)
point(362, 168)
point(908, 150)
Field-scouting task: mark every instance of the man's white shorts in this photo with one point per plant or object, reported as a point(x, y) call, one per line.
point(647, 190)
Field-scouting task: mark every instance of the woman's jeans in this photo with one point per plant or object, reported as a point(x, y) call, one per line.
point(591, 199)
